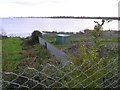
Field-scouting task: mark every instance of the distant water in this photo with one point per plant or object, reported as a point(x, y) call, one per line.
point(25, 26)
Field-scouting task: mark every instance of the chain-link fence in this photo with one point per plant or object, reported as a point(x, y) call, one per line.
point(90, 73)
point(86, 75)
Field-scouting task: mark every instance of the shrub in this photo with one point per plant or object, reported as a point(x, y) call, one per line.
point(35, 35)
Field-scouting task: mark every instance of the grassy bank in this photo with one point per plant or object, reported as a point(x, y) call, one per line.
point(14, 54)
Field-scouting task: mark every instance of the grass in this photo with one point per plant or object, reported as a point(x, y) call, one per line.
point(79, 39)
point(35, 56)
point(50, 39)
point(11, 51)
point(15, 54)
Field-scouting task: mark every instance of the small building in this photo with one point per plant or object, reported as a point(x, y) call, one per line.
point(62, 39)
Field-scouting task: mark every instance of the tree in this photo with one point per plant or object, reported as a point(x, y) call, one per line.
point(98, 30)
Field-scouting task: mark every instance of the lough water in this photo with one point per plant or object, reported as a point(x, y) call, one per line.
point(25, 26)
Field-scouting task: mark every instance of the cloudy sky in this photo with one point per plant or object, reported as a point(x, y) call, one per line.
point(18, 8)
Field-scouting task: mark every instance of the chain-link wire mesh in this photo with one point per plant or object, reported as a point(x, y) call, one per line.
point(85, 75)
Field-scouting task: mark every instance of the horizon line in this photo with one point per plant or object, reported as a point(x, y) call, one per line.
point(69, 17)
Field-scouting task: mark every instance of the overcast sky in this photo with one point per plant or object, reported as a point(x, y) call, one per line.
point(18, 8)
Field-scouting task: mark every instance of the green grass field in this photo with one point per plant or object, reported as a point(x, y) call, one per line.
point(11, 51)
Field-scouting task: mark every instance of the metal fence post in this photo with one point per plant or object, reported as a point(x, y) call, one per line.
point(118, 44)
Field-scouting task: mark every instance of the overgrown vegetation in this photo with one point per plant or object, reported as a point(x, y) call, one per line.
point(99, 59)
point(95, 58)
point(17, 55)
point(35, 35)
point(16, 52)
point(33, 39)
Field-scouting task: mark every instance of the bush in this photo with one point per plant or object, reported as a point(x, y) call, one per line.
point(35, 35)
point(33, 39)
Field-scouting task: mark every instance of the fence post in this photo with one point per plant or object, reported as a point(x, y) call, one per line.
point(118, 44)
point(0, 62)
point(45, 44)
